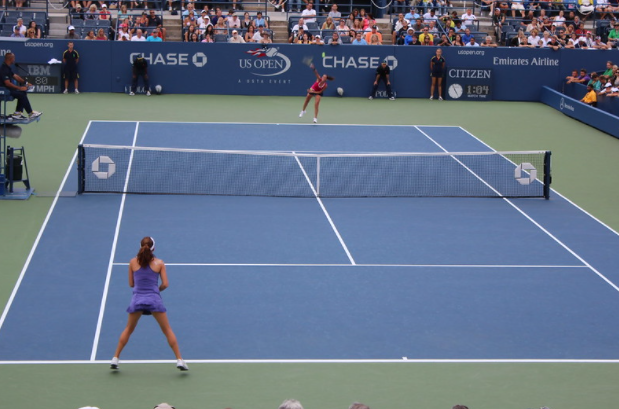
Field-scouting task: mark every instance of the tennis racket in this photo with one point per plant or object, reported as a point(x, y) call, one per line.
point(308, 61)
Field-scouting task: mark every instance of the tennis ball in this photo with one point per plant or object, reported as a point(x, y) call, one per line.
point(323, 55)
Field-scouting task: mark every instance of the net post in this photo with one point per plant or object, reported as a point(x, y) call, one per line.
point(81, 177)
point(318, 176)
point(547, 175)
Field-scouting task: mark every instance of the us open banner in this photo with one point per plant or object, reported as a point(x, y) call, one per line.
point(247, 69)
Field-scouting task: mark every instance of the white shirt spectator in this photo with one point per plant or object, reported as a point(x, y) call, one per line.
point(233, 22)
point(309, 14)
point(296, 28)
point(335, 15)
point(429, 16)
point(138, 38)
point(236, 38)
point(544, 42)
point(559, 21)
point(258, 35)
point(534, 40)
point(473, 43)
point(398, 25)
point(467, 17)
point(204, 20)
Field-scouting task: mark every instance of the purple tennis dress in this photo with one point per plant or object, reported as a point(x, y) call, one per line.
point(146, 296)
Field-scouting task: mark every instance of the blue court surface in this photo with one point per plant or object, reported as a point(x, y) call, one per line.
point(348, 279)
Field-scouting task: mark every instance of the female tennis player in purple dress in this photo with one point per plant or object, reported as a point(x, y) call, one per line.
point(144, 273)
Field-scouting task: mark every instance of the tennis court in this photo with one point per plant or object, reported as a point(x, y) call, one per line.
point(282, 279)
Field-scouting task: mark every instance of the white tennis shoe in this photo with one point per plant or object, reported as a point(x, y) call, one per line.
point(114, 363)
point(180, 364)
point(315, 120)
point(301, 114)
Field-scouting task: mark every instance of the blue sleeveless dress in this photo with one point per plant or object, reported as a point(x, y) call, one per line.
point(146, 297)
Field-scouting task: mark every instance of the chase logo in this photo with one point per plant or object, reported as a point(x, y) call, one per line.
point(267, 62)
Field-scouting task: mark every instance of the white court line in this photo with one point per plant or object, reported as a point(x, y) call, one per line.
point(572, 252)
point(95, 343)
point(39, 235)
point(276, 123)
point(324, 210)
point(364, 265)
point(328, 361)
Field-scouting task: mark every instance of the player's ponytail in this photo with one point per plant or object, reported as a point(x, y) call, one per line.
point(145, 254)
point(330, 78)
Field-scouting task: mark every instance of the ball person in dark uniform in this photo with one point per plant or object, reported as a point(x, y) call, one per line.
point(140, 69)
point(19, 92)
point(437, 70)
point(70, 58)
point(382, 74)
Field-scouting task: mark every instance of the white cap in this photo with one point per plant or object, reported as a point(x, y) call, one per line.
point(71, 28)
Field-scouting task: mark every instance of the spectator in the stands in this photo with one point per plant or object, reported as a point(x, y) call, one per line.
point(189, 32)
point(235, 38)
point(190, 20)
point(249, 34)
point(588, 40)
point(204, 20)
point(209, 34)
point(583, 77)
point(581, 30)
point(472, 43)
point(515, 41)
point(373, 32)
point(357, 25)
point(590, 97)
point(328, 24)
point(301, 24)
point(599, 44)
point(418, 25)
point(399, 36)
point(218, 16)
point(90, 35)
point(233, 20)
point(427, 41)
point(468, 17)
point(260, 20)
point(466, 37)
point(139, 36)
point(425, 33)
point(318, 40)
point(257, 35)
point(20, 26)
point(123, 33)
point(92, 13)
point(545, 40)
point(71, 35)
point(154, 36)
point(368, 22)
point(221, 27)
point(573, 42)
point(534, 39)
point(190, 8)
point(571, 78)
point(429, 16)
point(595, 81)
point(342, 27)
point(411, 38)
point(335, 14)
point(155, 21)
point(613, 35)
point(77, 13)
point(101, 35)
point(17, 33)
point(266, 38)
point(488, 42)
point(412, 14)
point(335, 39)
point(309, 14)
point(457, 41)
point(359, 40)
point(443, 41)
point(104, 13)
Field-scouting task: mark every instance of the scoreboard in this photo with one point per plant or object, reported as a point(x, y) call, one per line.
point(46, 78)
point(469, 84)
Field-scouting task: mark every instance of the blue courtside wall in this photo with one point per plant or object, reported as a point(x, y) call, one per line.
point(575, 109)
point(517, 74)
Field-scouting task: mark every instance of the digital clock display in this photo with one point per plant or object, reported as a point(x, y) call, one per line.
point(478, 89)
point(46, 78)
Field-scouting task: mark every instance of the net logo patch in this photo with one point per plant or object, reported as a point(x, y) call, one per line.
point(527, 168)
point(103, 167)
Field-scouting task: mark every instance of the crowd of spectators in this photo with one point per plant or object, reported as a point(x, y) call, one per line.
point(602, 83)
point(517, 23)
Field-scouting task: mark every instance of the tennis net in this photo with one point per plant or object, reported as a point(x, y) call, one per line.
point(145, 170)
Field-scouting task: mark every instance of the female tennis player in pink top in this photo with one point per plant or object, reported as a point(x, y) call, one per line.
point(144, 272)
point(316, 91)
